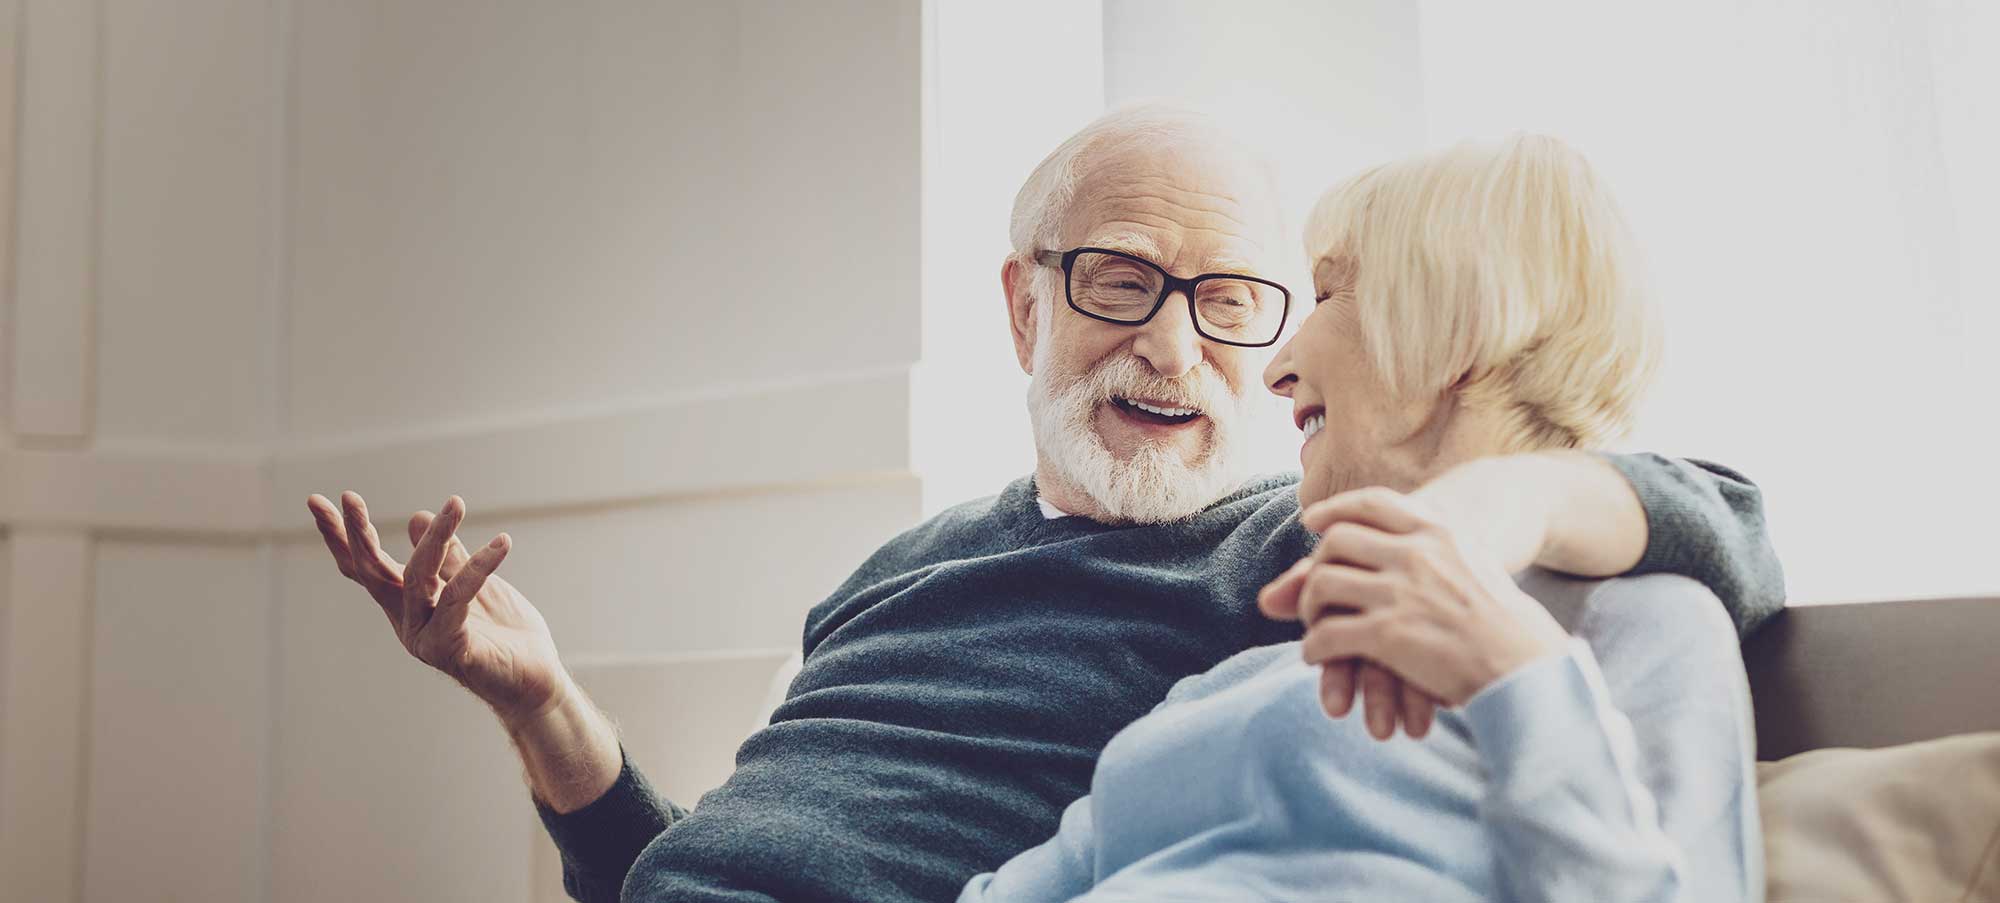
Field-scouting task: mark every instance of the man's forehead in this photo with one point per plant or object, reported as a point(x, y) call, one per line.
point(1202, 207)
point(1217, 258)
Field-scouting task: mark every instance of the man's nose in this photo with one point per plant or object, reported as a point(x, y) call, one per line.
point(1278, 375)
point(1169, 341)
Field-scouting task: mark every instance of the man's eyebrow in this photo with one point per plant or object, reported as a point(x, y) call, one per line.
point(1140, 245)
point(1130, 243)
point(1232, 265)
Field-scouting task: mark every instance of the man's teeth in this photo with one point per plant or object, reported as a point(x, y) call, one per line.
point(1164, 412)
point(1313, 425)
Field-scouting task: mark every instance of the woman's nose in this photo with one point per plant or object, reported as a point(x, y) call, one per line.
point(1278, 375)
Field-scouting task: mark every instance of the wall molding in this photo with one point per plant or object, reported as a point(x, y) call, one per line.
point(55, 232)
point(768, 438)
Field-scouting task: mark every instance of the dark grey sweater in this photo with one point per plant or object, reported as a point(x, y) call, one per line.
point(958, 687)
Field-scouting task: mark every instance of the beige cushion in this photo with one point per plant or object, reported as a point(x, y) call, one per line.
point(1913, 822)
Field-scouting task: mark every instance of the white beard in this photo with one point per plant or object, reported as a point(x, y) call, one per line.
point(1156, 485)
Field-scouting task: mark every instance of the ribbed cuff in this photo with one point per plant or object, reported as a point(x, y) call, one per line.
point(1541, 712)
point(600, 841)
point(1664, 492)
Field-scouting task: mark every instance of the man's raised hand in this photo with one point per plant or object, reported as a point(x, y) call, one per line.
point(448, 608)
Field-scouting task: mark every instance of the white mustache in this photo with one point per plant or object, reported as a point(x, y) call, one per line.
point(1126, 376)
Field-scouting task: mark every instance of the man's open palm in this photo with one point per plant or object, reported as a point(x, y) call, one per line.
point(448, 608)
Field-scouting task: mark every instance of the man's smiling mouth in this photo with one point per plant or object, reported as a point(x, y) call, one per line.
point(1155, 412)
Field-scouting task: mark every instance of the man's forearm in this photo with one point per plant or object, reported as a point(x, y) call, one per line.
point(1570, 512)
point(570, 752)
point(1596, 523)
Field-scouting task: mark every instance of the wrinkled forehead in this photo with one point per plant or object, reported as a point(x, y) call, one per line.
point(1190, 205)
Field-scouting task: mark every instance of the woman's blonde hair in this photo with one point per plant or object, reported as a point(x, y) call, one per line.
point(1501, 270)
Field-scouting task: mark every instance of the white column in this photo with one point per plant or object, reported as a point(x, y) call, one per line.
point(1003, 85)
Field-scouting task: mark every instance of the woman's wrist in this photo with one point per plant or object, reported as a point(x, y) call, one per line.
point(1523, 634)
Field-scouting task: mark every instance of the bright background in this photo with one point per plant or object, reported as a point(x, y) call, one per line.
point(700, 302)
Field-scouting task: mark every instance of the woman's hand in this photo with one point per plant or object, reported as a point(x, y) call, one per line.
point(448, 609)
point(1392, 584)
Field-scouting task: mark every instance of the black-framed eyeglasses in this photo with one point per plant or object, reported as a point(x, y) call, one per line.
point(1117, 287)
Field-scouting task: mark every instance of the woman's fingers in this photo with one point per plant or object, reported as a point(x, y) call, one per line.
point(1351, 542)
point(456, 600)
point(1381, 700)
point(1419, 710)
point(1336, 687)
point(1339, 589)
point(1376, 506)
point(1341, 636)
point(1279, 599)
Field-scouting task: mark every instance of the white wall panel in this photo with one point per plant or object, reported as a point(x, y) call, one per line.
point(391, 783)
point(833, 428)
point(10, 93)
point(44, 657)
point(518, 207)
point(179, 706)
point(184, 231)
point(56, 227)
point(734, 571)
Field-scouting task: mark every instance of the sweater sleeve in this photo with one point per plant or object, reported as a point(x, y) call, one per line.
point(1706, 522)
point(1058, 870)
point(1586, 804)
point(600, 841)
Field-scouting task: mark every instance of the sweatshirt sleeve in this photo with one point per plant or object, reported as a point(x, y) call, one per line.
point(1706, 522)
point(1058, 870)
point(600, 841)
point(1566, 811)
point(1635, 782)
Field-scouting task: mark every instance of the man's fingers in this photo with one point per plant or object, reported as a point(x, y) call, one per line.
point(420, 578)
point(1381, 698)
point(456, 600)
point(1336, 687)
point(331, 532)
point(1419, 710)
point(365, 546)
point(455, 556)
point(1377, 506)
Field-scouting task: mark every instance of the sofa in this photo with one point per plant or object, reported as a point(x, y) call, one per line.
point(1875, 674)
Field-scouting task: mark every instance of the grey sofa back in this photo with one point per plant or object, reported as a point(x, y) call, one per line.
point(1874, 674)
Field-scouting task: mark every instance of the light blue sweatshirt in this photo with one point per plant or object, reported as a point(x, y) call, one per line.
point(1621, 770)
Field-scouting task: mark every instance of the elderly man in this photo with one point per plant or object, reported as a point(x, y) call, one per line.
point(956, 690)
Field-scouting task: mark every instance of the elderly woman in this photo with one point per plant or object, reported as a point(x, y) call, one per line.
point(1476, 302)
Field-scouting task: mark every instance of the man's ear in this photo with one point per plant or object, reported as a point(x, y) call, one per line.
point(1020, 311)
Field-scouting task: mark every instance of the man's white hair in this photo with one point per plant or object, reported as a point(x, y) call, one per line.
point(1041, 207)
point(1042, 204)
